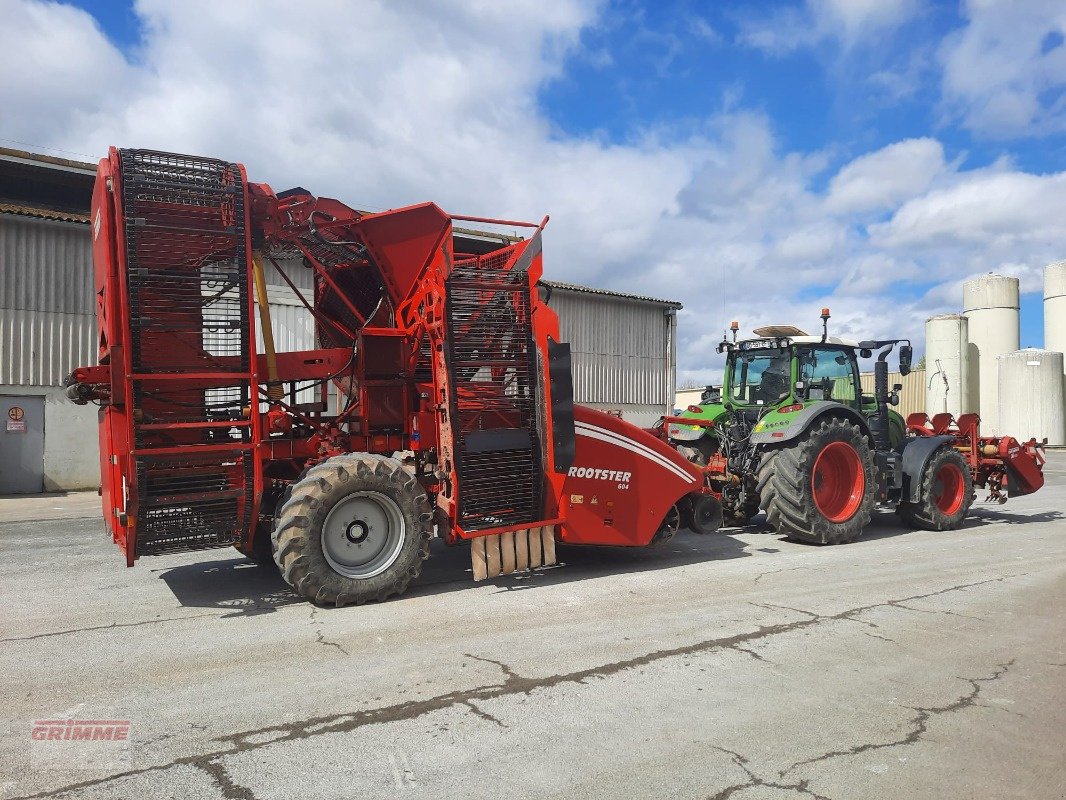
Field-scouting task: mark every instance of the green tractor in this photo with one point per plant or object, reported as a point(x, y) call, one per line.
point(792, 435)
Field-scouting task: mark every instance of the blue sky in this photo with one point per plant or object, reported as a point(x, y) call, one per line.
point(754, 160)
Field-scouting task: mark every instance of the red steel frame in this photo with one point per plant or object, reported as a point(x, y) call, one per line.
point(413, 250)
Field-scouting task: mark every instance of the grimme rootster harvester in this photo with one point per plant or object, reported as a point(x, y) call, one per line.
point(456, 414)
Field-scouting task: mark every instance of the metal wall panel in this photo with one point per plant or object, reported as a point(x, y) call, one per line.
point(295, 271)
point(293, 327)
point(40, 348)
point(623, 351)
point(45, 266)
point(911, 396)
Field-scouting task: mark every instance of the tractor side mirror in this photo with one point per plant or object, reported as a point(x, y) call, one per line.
point(906, 353)
point(865, 352)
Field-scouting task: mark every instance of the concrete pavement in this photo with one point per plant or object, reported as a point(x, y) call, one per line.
point(907, 665)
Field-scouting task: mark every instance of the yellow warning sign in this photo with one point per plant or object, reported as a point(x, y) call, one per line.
point(15, 413)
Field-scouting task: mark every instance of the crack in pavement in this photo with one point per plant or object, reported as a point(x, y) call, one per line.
point(230, 790)
point(105, 627)
point(878, 636)
point(754, 781)
point(482, 713)
point(513, 684)
point(320, 637)
point(919, 723)
point(762, 575)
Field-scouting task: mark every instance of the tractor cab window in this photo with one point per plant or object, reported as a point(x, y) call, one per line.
point(828, 374)
point(761, 377)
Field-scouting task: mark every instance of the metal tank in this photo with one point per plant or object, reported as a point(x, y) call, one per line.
point(947, 365)
point(1055, 307)
point(1055, 311)
point(991, 304)
point(1030, 395)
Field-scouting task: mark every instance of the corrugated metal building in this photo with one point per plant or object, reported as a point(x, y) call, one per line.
point(624, 349)
point(911, 396)
point(623, 345)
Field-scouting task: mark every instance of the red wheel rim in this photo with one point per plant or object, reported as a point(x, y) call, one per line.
point(949, 488)
point(838, 482)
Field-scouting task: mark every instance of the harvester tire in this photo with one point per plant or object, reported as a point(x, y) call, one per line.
point(946, 493)
point(352, 529)
point(821, 486)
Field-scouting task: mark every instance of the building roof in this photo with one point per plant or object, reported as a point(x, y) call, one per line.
point(574, 287)
point(26, 157)
point(43, 213)
point(45, 187)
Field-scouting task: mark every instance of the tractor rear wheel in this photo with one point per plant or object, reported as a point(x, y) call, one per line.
point(820, 487)
point(946, 493)
point(354, 528)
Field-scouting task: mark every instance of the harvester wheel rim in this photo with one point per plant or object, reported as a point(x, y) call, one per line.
point(838, 482)
point(363, 534)
point(949, 489)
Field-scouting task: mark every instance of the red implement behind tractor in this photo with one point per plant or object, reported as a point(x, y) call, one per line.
point(455, 414)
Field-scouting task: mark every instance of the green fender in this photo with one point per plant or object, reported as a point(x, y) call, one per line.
point(690, 433)
point(776, 426)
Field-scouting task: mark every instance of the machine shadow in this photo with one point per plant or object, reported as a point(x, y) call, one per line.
point(235, 584)
point(248, 589)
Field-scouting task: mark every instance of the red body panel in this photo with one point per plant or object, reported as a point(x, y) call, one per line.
point(622, 482)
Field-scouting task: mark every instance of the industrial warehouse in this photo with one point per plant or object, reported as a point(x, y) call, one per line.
point(671, 391)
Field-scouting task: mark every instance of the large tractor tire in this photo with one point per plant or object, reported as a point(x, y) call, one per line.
point(820, 487)
point(352, 529)
point(946, 493)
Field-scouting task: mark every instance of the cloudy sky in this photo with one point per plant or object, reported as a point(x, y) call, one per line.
point(753, 160)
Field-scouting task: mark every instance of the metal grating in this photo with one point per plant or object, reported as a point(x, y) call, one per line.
point(492, 365)
point(189, 504)
point(191, 347)
point(186, 272)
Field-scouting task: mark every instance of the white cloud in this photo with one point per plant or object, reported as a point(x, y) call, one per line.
point(881, 179)
point(1005, 70)
point(1001, 212)
point(848, 22)
point(383, 108)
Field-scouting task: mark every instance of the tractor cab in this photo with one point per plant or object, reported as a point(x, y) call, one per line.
point(783, 371)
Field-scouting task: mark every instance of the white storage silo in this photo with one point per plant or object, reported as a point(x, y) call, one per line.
point(1030, 395)
point(991, 304)
point(1055, 307)
point(947, 365)
point(1055, 310)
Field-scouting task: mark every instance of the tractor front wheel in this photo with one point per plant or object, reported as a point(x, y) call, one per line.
point(353, 528)
point(946, 493)
point(820, 487)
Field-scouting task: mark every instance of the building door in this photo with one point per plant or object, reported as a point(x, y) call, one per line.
point(21, 444)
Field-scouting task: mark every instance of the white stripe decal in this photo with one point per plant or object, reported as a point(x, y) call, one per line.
point(592, 432)
point(629, 444)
